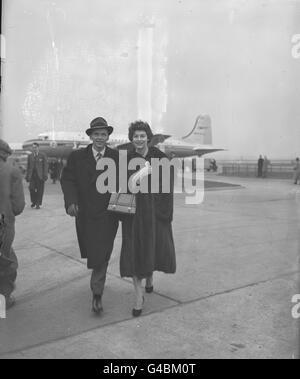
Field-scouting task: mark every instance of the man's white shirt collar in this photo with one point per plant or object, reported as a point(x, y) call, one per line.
point(95, 153)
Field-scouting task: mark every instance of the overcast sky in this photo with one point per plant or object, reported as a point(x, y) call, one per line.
point(68, 61)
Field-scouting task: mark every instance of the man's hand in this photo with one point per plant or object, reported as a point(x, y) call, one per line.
point(73, 210)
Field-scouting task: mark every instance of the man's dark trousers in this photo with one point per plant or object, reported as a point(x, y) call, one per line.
point(8, 275)
point(36, 188)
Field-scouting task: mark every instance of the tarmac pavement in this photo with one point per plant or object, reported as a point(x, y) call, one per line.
point(237, 271)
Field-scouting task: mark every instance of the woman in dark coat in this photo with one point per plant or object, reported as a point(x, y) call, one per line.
point(147, 242)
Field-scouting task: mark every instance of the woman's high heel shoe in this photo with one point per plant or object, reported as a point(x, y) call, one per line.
point(137, 312)
point(149, 289)
point(149, 284)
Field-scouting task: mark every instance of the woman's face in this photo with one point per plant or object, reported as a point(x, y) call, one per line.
point(140, 139)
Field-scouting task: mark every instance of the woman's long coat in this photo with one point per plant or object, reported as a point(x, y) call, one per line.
point(96, 228)
point(147, 239)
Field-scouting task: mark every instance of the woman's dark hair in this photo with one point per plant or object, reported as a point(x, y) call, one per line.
point(139, 125)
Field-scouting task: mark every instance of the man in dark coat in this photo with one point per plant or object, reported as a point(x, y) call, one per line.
point(12, 203)
point(37, 174)
point(96, 227)
point(260, 164)
point(54, 170)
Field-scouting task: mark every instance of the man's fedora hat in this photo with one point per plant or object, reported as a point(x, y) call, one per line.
point(99, 123)
point(5, 147)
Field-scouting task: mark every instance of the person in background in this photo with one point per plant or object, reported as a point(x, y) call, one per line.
point(213, 165)
point(260, 164)
point(297, 171)
point(54, 170)
point(37, 174)
point(265, 167)
point(12, 203)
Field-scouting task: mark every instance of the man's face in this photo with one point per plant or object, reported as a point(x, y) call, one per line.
point(35, 149)
point(99, 139)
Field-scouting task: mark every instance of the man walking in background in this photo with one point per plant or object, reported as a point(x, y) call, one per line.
point(37, 174)
point(12, 203)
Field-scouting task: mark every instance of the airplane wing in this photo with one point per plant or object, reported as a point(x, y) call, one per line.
point(205, 150)
point(156, 139)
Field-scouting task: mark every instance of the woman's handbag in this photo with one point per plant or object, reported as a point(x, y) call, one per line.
point(122, 203)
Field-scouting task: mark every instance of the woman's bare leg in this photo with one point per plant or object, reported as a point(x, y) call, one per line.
point(138, 292)
point(149, 281)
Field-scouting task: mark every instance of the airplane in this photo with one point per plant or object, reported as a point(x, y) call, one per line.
point(18, 158)
point(197, 143)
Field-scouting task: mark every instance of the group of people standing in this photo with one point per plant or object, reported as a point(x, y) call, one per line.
point(147, 237)
point(262, 166)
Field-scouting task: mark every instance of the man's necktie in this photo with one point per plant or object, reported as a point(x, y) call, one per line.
point(34, 160)
point(98, 156)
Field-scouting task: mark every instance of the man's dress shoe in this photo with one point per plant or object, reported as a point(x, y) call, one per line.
point(97, 304)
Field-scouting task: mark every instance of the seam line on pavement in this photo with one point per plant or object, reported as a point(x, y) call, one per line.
point(216, 227)
point(178, 303)
point(29, 297)
point(230, 290)
point(61, 253)
point(128, 281)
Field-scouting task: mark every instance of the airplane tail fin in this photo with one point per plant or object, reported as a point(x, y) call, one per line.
point(201, 132)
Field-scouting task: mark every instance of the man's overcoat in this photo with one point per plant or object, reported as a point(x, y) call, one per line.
point(96, 227)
